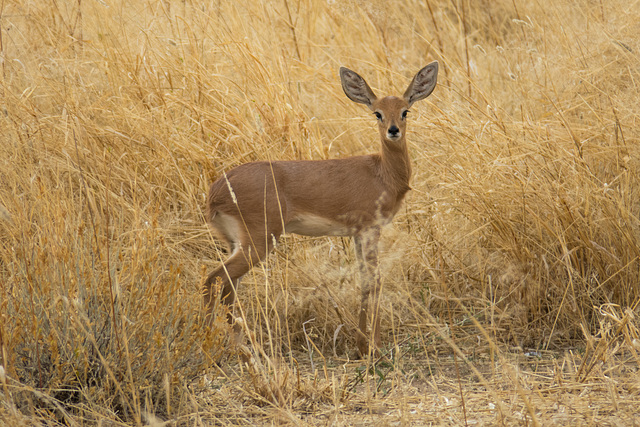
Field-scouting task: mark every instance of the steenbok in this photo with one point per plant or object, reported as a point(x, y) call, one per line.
point(253, 204)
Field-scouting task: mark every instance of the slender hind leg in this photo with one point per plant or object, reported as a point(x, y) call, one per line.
point(247, 253)
point(228, 274)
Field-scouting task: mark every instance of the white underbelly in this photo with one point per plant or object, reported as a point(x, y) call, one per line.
point(313, 225)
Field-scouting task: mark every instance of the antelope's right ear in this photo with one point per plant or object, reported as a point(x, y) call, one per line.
point(356, 88)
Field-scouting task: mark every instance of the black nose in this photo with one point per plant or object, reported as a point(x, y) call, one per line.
point(393, 130)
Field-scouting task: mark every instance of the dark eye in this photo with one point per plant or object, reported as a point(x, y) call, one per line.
point(378, 115)
point(404, 114)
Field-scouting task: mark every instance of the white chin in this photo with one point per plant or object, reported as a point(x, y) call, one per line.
point(393, 137)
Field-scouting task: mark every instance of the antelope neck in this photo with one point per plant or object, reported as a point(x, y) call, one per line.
point(396, 165)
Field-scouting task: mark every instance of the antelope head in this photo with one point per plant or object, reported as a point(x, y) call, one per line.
point(391, 111)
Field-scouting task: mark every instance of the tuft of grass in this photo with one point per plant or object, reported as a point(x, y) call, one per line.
point(101, 328)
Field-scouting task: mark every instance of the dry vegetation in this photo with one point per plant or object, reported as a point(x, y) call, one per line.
point(511, 276)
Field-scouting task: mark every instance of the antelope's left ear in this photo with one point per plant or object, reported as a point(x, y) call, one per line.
point(422, 84)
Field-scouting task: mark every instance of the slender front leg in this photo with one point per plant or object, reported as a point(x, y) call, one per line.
point(366, 246)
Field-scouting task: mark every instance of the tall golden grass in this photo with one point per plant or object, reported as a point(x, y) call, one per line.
point(521, 235)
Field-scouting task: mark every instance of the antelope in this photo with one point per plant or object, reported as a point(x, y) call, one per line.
point(253, 204)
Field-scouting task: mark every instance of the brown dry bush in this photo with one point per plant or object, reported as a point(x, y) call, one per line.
point(521, 229)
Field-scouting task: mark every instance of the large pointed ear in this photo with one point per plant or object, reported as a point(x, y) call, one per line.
point(356, 88)
point(422, 84)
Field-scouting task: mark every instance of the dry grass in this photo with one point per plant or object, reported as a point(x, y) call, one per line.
point(511, 276)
